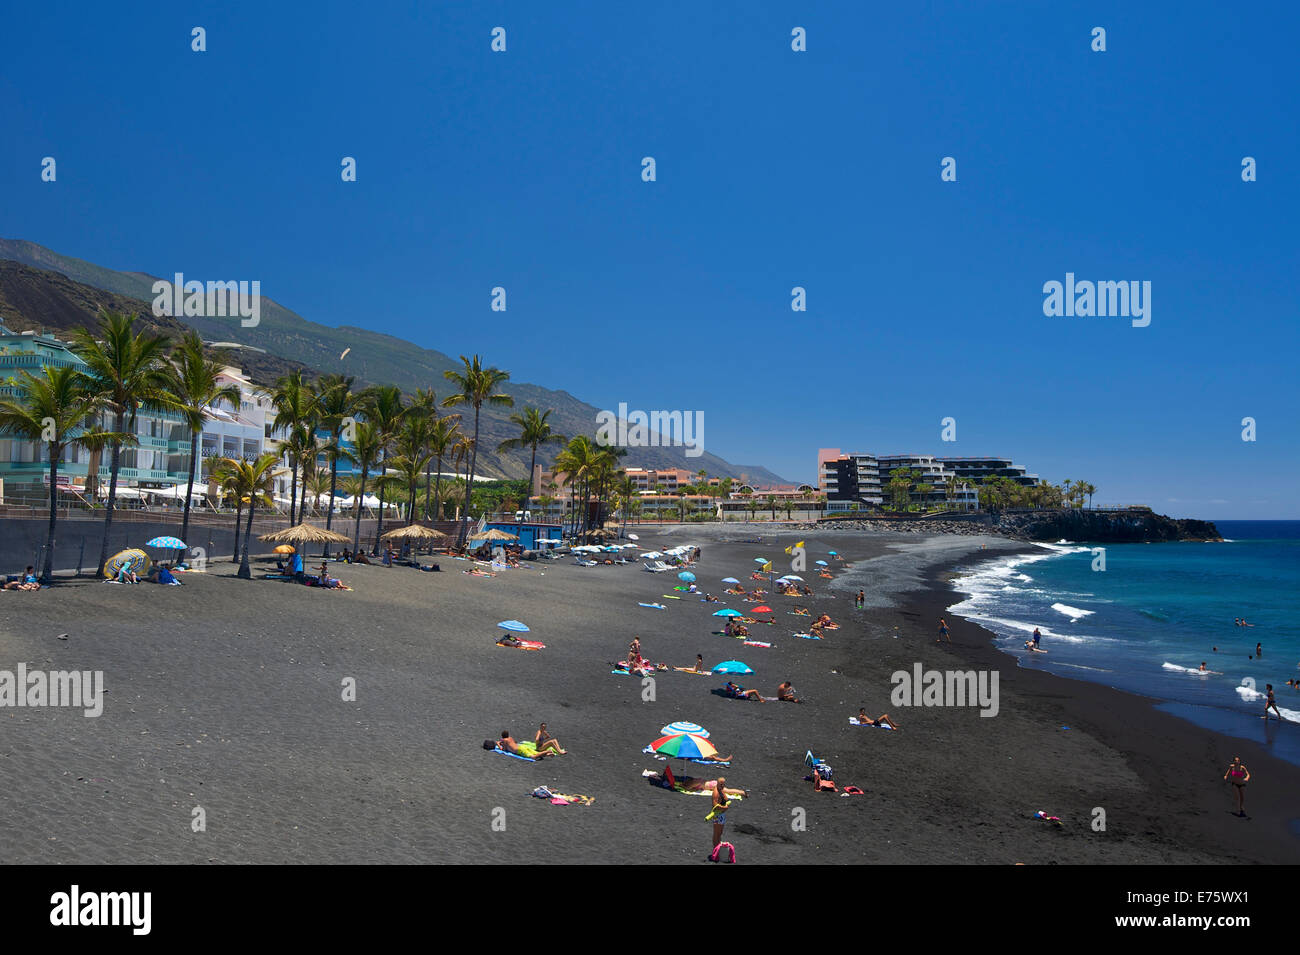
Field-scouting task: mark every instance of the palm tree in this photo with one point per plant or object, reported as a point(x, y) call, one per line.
point(129, 372)
point(221, 471)
point(770, 501)
point(425, 403)
point(384, 409)
point(412, 455)
point(534, 430)
point(295, 413)
point(337, 404)
point(365, 452)
point(194, 386)
point(254, 480)
point(443, 437)
point(300, 447)
point(477, 385)
point(52, 407)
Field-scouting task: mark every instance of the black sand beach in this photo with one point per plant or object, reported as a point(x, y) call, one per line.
point(228, 695)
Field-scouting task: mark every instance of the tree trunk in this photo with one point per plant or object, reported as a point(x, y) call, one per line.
point(47, 566)
point(112, 496)
point(437, 492)
point(244, 570)
point(293, 488)
point(528, 492)
point(334, 478)
point(469, 484)
point(356, 535)
point(189, 488)
point(239, 510)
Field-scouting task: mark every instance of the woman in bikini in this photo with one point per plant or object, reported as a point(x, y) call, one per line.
point(1238, 775)
point(546, 743)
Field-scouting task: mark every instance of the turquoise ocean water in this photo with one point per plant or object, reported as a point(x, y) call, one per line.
point(1147, 621)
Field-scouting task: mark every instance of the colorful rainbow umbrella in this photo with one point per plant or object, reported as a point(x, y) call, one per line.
point(684, 746)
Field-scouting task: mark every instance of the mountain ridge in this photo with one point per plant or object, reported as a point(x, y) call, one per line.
point(292, 341)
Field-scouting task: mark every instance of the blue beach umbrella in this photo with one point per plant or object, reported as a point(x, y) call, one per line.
point(687, 576)
point(695, 729)
point(166, 543)
point(730, 580)
point(822, 563)
point(513, 625)
point(727, 613)
point(732, 666)
point(760, 560)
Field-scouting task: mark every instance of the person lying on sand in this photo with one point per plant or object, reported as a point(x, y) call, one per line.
point(807, 591)
point(690, 784)
point(882, 720)
point(785, 693)
point(710, 599)
point(508, 744)
point(509, 640)
point(736, 691)
point(801, 611)
point(824, 620)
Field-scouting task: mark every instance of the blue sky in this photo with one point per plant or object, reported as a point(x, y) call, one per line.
point(775, 169)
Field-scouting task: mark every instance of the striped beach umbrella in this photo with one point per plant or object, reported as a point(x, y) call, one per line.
point(513, 626)
point(684, 746)
point(695, 729)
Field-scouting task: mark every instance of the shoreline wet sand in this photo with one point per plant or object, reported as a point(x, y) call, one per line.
point(228, 695)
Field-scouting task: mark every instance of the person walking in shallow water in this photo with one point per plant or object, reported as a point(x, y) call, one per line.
point(1238, 775)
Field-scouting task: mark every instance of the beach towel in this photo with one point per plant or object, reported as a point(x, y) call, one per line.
point(525, 645)
point(716, 854)
point(757, 643)
point(655, 606)
point(526, 759)
point(693, 671)
point(854, 721)
point(1054, 820)
point(807, 636)
point(562, 799)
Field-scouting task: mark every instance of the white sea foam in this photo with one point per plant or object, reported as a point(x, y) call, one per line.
point(1192, 670)
point(1074, 613)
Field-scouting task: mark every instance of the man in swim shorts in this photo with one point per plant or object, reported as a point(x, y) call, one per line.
point(943, 631)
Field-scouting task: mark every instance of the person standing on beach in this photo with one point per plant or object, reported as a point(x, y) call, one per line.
point(1037, 637)
point(1238, 775)
point(861, 600)
point(943, 630)
point(720, 804)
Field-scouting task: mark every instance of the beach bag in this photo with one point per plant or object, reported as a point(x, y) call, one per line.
point(717, 852)
point(824, 771)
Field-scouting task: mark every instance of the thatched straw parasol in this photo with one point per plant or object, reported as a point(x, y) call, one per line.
point(414, 532)
point(493, 535)
point(306, 534)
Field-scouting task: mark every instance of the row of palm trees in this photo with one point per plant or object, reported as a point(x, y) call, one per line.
point(128, 370)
